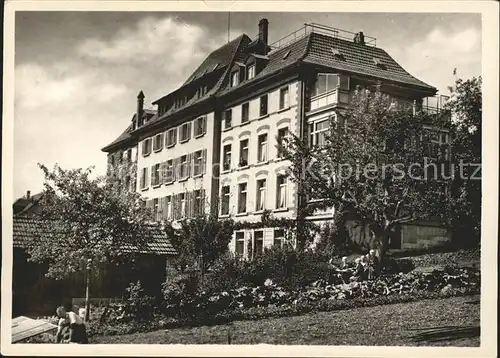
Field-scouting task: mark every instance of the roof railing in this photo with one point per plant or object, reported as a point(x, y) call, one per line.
point(320, 29)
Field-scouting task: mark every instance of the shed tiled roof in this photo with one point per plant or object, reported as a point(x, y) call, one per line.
point(358, 59)
point(25, 229)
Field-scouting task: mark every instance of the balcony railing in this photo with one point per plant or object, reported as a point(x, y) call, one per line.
point(337, 96)
point(320, 29)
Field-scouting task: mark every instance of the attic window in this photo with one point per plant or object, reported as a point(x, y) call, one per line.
point(286, 54)
point(337, 54)
point(377, 61)
point(215, 67)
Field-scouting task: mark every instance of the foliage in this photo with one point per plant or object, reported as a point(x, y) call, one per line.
point(365, 165)
point(466, 129)
point(137, 304)
point(252, 303)
point(87, 221)
point(199, 241)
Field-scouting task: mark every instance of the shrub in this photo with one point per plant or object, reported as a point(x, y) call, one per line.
point(136, 303)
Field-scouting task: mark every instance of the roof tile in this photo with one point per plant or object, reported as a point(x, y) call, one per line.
point(25, 229)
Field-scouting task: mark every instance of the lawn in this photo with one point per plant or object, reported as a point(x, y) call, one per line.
point(438, 322)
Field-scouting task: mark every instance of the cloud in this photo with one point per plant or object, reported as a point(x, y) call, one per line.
point(442, 48)
point(68, 108)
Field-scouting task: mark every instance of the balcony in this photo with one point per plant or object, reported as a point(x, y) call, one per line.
point(336, 96)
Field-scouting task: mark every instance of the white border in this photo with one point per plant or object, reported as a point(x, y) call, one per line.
point(490, 50)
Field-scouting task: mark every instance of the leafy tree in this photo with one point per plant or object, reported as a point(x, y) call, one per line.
point(371, 163)
point(88, 223)
point(199, 241)
point(466, 105)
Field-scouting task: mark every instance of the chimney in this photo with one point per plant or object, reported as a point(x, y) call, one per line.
point(140, 108)
point(263, 30)
point(359, 38)
point(28, 194)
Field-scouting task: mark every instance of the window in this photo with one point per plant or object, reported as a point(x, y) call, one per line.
point(225, 195)
point(185, 132)
point(261, 195)
point(282, 141)
point(226, 160)
point(318, 131)
point(171, 137)
point(197, 203)
point(240, 243)
point(182, 200)
point(146, 147)
point(279, 237)
point(129, 155)
point(183, 171)
point(144, 178)
point(439, 146)
point(262, 148)
point(156, 209)
point(281, 192)
point(325, 82)
point(235, 78)
point(155, 175)
point(284, 98)
point(200, 126)
point(243, 153)
point(168, 207)
point(242, 198)
point(198, 163)
point(228, 118)
point(245, 112)
point(127, 183)
point(259, 242)
point(169, 172)
point(250, 72)
point(263, 105)
point(158, 142)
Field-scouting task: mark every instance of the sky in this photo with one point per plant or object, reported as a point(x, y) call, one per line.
point(77, 74)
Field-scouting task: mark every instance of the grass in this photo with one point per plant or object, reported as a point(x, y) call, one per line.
point(439, 322)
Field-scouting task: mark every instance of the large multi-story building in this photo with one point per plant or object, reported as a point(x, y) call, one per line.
point(216, 142)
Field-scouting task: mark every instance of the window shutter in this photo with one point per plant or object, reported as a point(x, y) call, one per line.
point(204, 125)
point(189, 130)
point(152, 175)
point(189, 202)
point(204, 161)
point(175, 207)
point(202, 201)
point(174, 168)
point(189, 164)
point(163, 172)
point(146, 177)
point(161, 141)
point(174, 141)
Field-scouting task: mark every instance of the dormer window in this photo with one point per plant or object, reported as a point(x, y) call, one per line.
point(337, 54)
point(215, 67)
point(235, 78)
point(378, 62)
point(250, 71)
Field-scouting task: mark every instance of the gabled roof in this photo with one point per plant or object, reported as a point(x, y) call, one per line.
point(358, 59)
point(148, 115)
point(26, 229)
point(276, 61)
point(221, 57)
point(27, 205)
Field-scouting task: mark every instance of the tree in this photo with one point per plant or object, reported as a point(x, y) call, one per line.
point(87, 223)
point(199, 241)
point(466, 105)
point(372, 163)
